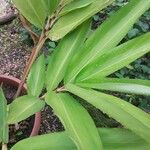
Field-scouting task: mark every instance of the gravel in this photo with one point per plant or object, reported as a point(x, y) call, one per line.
point(13, 51)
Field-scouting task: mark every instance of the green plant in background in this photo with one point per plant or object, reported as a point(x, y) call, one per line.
point(140, 68)
point(79, 67)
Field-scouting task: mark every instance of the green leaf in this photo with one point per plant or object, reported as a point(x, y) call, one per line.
point(107, 36)
point(122, 139)
point(33, 10)
point(75, 5)
point(73, 19)
point(76, 121)
point(128, 115)
point(50, 6)
point(117, 58)
point(64, 53)
point(113, 139)
point(23, 107)
point(36, 77)
point(65, 2)
point(3, 118)
point(133, 86)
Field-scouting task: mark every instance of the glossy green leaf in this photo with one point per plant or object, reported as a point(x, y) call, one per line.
point(133, 86)
point(36, 77)
point(76, 121)
point(128, 115)
point(73, 19)
point(3, 118)
point(75, 5)
point(108, 35)
point(116, 58)
point(113, 139)
point(23, 107)
point(33, 10)
point(64, 53)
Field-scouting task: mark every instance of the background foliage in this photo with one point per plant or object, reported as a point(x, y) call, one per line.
point(139, 68)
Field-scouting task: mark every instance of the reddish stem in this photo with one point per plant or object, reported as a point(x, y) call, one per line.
point(32, 58)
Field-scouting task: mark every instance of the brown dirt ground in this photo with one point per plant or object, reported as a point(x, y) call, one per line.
point(13, 52)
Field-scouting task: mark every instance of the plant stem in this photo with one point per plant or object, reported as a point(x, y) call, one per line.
point(50, 22)
point(4, 146)
point(61, 89)
point(26, 24)
point(53, 18)
point(32, 58)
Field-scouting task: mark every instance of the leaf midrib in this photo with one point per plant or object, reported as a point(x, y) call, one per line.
point(13, 119)
point(110, 65)
point(71, 124)
point(37, 79)
point(91, 57)
point(65, 60)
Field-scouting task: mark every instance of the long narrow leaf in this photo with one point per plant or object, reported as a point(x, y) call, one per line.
point(36, 77)
point(76, 120)
point(133, 86)
point(64, 53)
point(116, 58)
point(22, 108)
point(3, 118)
point(108, 35)
point(73, 19)
point(130, 116)
point(113, 139)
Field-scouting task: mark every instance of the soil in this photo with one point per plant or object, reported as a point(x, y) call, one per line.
point(50, 122)
point(13, 51)
point(25, 127)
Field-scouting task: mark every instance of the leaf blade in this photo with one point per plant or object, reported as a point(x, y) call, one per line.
point(133, 86)
point(117, 58)
point(75, 5)
point(22, 108)
point(3, 118)
point(70, 112)
point(130, 116)
point(36, 77)
point(73, 19)
point(66, 49)
point(33, 10)
point(107, 36)
point(112, 139)
point(50, 6)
